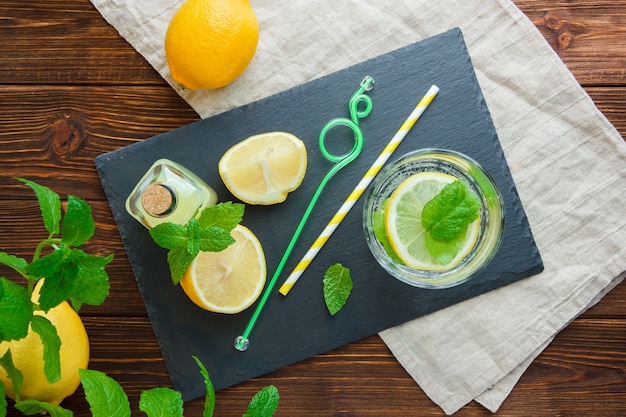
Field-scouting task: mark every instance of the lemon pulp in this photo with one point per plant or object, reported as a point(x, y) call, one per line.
point(228, 281)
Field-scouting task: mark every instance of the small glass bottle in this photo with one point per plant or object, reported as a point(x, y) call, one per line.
point(169, 192)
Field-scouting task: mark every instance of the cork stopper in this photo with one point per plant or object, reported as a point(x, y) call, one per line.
point(158, 199)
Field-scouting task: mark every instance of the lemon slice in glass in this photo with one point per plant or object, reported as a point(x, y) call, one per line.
point(403, 222)
point(228, 281)
point(264, 168)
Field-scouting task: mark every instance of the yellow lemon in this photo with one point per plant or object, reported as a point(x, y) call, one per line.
point(263, 169)
point(209, 43)
point(27, 354)
point(403, 221)
point(228, 281)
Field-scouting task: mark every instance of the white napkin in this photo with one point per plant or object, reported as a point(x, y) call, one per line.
point(568, 162)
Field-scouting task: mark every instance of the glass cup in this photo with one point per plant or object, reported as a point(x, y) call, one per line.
point(492, 215)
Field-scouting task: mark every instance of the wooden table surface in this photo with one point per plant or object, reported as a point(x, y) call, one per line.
point(71, 88)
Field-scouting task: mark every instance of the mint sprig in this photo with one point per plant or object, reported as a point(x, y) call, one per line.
point(209, 233)
point(446, 218)
point(67, 271)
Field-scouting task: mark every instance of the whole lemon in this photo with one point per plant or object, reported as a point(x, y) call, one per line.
point(209, 43)
point(27, 354)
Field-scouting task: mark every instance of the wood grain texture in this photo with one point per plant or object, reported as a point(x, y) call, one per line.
point(71, 88)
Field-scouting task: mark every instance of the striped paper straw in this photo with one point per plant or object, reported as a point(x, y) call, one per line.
point(358, 190)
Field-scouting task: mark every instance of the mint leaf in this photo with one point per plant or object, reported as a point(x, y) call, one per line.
point(444, 251)
point(169, 235)
point(3, 401)
point(209, 398)
point(78, 225)
point(449, 212)
point(16, 310)
point(105, 396)
point(225, 215)
point(49, 203)
point(55, 268)
point(264, 403)
point(14, 374)
point(179, 260)
point(34, 407)
point(337, 287)
point(18, 264)
point(161, 402)
point(51, 346)
point(214, 239)
point(91, 281)
point(378, 225)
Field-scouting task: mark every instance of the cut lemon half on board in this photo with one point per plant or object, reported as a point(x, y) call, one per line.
point(403, 222)
point(264, 168)
point(228, 281)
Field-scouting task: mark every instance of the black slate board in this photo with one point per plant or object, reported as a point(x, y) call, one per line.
point(298, 326)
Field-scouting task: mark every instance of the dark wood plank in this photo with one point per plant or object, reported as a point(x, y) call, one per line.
point(589, 36)
point(67, 43)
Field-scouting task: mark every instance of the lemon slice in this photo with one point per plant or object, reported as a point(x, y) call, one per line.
point(263, 169)
point(403, 222)
point(228, 281)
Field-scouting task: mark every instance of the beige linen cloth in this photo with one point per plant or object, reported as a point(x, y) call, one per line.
point(567, 160)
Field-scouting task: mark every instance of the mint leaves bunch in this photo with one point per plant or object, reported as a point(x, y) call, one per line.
point(446, 218)
point(208, 233)
point(106, 398)
point(69, 272)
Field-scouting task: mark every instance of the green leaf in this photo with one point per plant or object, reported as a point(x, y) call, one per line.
point(59, 270)
point(78, 225)
point(18, 264)
point(264, 403)
point(378, 225)
point(16, 310)
point(105, 396)
point(226, 215)
point(161, 402)
point(209, 398)
point(51, 347)
point(179, 259)
point(34, 407)
point(213, 239)
point(14, 374)
point(444, 251)
point(3, 401)
point(337, 287)
point(169, 235)
point(449, 212)
point(50, 205)
point(91, 283)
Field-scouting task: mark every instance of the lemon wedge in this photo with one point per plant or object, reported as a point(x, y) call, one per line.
point(228, 281)
point(263, 169)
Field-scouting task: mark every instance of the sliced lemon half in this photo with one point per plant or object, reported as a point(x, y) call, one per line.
point(403, 222)
point(228, 281)
point(264, 168)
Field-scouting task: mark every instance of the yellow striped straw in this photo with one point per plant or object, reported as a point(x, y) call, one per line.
point(358, 190)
